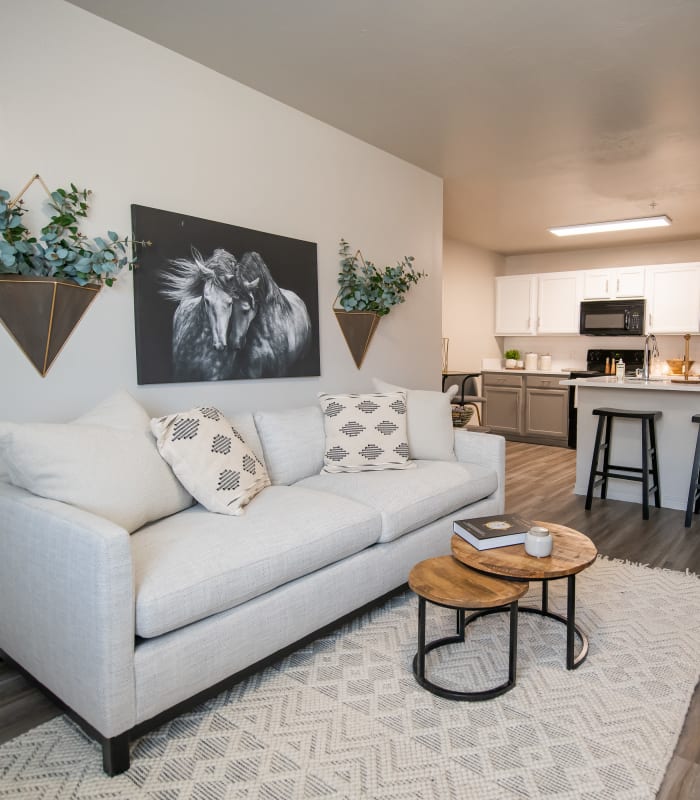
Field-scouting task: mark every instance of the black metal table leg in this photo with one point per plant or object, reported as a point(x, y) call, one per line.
point(572, 630)
point(513, 652)
point(420, 655)
point(424, 649)
point(570, 620)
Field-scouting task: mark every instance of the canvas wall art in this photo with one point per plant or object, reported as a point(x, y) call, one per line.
point(219, 302)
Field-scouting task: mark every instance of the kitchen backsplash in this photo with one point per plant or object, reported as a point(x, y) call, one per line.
point(569, 352)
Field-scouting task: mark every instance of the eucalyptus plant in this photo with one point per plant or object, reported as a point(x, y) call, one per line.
point(61, 251)
point(366, 287)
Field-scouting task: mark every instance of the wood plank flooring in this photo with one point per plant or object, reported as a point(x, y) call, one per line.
point(539, 483)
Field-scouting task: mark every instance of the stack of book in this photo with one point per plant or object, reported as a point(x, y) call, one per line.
point(485, 533)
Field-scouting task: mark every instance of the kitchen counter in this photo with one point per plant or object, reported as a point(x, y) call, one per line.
point(655, 384)
point(675, 432)
point(559, 372)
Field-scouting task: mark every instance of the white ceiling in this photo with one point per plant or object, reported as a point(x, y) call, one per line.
point(535, 112)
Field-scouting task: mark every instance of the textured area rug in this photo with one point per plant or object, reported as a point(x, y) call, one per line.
point(345, 718)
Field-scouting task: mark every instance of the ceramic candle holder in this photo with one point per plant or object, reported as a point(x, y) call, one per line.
point(538, 542)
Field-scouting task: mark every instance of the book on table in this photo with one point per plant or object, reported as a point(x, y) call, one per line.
point(485, 533)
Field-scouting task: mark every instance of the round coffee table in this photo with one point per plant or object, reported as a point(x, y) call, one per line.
point(445, 582)
point(572, 552)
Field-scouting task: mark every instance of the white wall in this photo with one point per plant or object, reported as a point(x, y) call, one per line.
point(92, 103)
point(468, 303)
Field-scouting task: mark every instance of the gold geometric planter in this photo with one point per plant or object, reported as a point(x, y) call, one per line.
point(358, 328)
point(41, 313)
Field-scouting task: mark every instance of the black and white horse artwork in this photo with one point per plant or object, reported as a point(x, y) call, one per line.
point(232, 319)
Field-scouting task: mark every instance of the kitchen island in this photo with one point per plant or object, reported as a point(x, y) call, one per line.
point(675, 432)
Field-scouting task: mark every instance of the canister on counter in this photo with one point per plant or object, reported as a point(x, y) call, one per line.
point(530, 361)
point(546, 362)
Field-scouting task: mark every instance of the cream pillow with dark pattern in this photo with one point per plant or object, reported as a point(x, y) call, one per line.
point(210, 458)
point(365, 432)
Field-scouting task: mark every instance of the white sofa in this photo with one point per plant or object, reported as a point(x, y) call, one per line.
point(128, 630)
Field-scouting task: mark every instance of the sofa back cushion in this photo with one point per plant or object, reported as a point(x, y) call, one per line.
point(292, 443)
point(106, 463)
point(429, 419)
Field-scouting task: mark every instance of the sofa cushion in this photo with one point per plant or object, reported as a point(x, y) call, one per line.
point(292, 442)
point(210, 458)
point(119, 410)
point(365, 432)
point(196, 564)
point(410, 499)
point(111, 469)
point(429, 419)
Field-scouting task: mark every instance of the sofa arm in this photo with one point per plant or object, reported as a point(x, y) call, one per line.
point(67, 605)
point(488, 450)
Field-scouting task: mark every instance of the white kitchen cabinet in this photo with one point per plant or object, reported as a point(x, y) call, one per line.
point(613, 283)
point(673, 298)
point(558, 303)
point(516, 305)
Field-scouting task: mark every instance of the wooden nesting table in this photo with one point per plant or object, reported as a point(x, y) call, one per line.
point(443, 581)
point(572, 552)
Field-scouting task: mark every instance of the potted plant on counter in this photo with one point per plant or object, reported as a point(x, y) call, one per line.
point(512, 357)
point(367, 293)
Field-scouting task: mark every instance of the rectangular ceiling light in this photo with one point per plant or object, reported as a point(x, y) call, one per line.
point(613, 225)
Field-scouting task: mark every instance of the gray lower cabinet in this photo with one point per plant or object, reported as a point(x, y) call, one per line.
point(503, 410)
point(527, 408)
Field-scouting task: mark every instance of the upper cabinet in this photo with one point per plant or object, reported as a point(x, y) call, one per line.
point(516, 305)
point(549, 303)
point(613, 283)
point(558, 302)
point(673, 298)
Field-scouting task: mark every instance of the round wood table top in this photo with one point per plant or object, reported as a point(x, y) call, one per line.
point(445, 581)
point(572, 552)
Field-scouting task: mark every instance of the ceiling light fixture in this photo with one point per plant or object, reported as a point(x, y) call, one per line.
point(613, 225)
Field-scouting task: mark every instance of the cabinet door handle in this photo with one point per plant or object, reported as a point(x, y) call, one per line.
point(617, 290)
point(606, 286)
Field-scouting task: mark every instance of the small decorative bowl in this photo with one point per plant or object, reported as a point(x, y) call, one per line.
point(676, 365)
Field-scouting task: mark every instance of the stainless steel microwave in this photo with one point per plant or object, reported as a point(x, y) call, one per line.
point(612, 317)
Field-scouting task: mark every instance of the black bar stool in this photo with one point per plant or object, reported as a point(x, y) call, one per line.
point(694, 491)
point(599, 477)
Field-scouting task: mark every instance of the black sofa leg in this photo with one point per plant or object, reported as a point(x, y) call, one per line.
point(115, 754)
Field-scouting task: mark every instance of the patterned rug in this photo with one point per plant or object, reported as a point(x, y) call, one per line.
point(344, 718)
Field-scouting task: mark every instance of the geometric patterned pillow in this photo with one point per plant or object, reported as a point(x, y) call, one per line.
point(365, 432)
point(211, 459)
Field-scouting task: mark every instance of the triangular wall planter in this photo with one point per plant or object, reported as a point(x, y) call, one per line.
point(41, 313)
point(358, 328)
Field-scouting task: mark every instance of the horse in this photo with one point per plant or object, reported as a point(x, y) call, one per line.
point(233, 320)
point(270, 326)
point(202, 288)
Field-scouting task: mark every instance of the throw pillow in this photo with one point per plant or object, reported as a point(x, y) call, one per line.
point(211, 459)
point(430, 432)
point(365, 432)
point(111, 469)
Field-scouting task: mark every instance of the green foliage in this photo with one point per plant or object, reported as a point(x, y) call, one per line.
point(366, 287)
point(61, 251)
point(512, 354)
